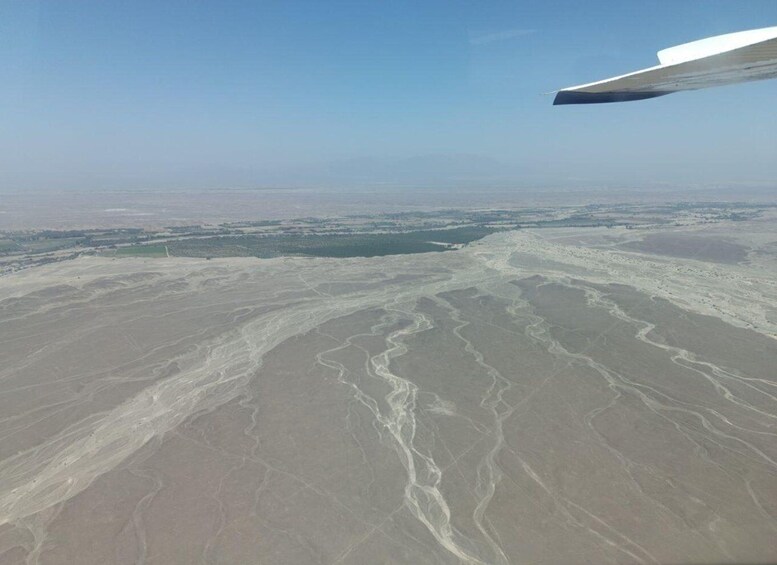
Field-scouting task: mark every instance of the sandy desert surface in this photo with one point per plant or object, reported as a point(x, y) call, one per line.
point(539, 396)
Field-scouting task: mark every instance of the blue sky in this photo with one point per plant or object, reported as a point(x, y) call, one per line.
point(116, 95)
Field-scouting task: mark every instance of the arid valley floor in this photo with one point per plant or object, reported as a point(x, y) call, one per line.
point(558, 395)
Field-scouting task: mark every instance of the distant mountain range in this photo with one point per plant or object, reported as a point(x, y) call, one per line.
point(427, 170)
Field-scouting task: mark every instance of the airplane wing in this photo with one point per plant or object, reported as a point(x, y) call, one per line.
point(714, 61)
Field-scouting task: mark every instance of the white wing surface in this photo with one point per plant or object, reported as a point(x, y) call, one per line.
point(714, 61)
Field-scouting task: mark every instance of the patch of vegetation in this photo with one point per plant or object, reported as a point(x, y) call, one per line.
point(347, 245)
point(142, 251)
point(45, 245)
point(8, 246)
point(353, 236)
point(578, 222)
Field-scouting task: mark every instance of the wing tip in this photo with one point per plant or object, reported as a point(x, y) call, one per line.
point(565, 97)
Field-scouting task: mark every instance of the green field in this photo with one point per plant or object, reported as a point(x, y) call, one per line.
point(46, 245)
point(8, 245)
point(345, 245)
point(142, 251)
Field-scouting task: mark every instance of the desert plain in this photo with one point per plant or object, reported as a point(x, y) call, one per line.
point(563, 395)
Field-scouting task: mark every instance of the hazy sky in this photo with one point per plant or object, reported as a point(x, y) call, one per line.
point(117, 94)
